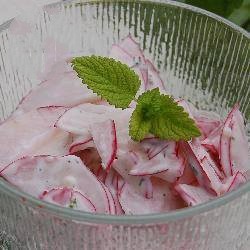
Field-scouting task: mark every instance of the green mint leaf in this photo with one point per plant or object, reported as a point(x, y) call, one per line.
point(110, 79)
point(160, 115)
point(220, 7)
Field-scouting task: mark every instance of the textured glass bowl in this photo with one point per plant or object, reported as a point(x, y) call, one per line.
point(201, 57)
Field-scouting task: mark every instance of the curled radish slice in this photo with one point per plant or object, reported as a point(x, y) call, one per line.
point(133, 202)
point(78, 120)
point(193, 195)
point(234, 155)
point(36, 174)
point(31, 134)
point(68, 197)
point(204, 168)
point(104, 137)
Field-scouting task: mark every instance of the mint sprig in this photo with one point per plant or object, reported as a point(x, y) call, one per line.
point(155, 113)
point(112, 80)
point(160, 115)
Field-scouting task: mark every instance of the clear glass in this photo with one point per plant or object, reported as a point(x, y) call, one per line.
point(201, 57)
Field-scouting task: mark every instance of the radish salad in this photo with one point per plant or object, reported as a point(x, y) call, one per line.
point(67, 146)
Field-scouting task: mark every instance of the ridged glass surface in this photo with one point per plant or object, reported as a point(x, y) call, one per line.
point(201, 59)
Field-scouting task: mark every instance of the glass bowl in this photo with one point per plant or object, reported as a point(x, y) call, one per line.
point(201, 57)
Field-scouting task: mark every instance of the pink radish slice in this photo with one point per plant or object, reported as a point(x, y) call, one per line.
point(207, 121)
point(31, 130)
point(212, 142)
point(104, 137)
point(68, 197)
point(193, 195)
point(123, 166)
point(36, 174)
point(239, 147)
point(234, 155)
point(67, 90)
point(154, 146)
point(175, 170)
point(204, 167)
point(78, 119)
point(81, 142)
point(155, 80)
point(166, 168)
point(234, 182)
point(133, 202)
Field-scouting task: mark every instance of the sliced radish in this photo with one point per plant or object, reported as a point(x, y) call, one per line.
point(31, 134)
point(67, 90)
point(176, 166)
point(193, 195)
point(114, 182)
point(166, 168)
point(212, 142)
point(205, 169)
point(123, 166)
point(68, 197)
point(234, 182)
point(36, 174)
point(239, 147)
point(133, 202)
point(234, 155)
point(207, 121)
point(78, 120)
point(154, 146)
point(104, 137)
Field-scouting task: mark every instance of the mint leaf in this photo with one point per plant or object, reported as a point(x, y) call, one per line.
point(220, 7)
point(160, 115)
point(110, 79)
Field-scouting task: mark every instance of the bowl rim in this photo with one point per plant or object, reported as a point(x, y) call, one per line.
point(159, 218)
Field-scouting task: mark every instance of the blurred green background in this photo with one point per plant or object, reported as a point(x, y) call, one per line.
point(237, 11)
